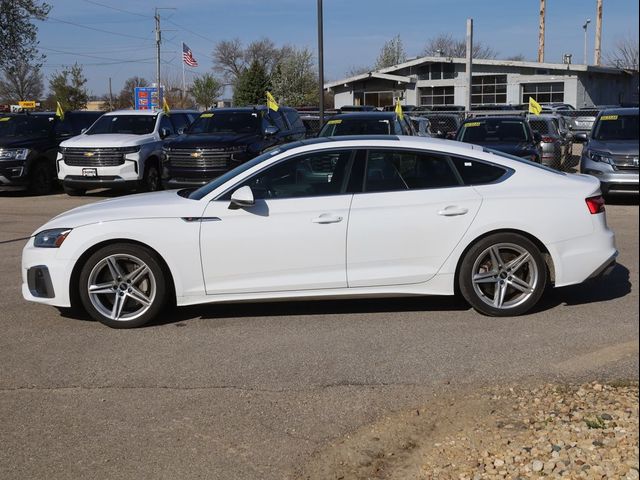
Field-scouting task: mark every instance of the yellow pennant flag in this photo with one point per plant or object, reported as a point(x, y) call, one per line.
point(271, 102)
point(165, 106)
point(534, 107)
point(59, 111)
point(399, 110)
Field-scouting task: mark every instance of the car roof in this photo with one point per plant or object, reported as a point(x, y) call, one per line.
point(134, 112)
point(365, 115)
point(259, 108)
point(496, 117)
point(620, 111)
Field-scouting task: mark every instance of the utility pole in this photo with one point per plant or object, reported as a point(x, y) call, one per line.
point(110, 96)
point(158, 40)
point(586, 24)
point(541, 31)
point(469, 66)
point(597, 49)
point(320, 64)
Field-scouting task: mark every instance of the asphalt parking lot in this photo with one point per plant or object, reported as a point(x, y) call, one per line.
point(252, 391)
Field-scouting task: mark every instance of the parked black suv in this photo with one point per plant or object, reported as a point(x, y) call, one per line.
point(512, 135)
point(29, 145)
point(221, 139)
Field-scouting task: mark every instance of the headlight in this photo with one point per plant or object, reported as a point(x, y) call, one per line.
point(51, 238)
point(129, 149)
point(14, 153)
point(600, 157)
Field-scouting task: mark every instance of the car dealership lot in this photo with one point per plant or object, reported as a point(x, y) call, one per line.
point(252, 390)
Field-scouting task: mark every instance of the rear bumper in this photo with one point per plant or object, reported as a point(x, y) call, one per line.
point(606, 268)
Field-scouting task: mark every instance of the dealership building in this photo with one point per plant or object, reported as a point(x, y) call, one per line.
point(429, 81)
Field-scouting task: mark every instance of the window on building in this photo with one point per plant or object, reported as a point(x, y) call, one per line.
point(436, 71)
point(430, 96)
point(549, 92)
point(489, 89)
point(378, 99)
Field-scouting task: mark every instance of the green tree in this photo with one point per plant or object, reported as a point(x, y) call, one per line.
point(294, 79)
point(252, 86)
point(68, 88)
point(21, 81)
point(206, 89)
point(18, 34)
point(391, 53)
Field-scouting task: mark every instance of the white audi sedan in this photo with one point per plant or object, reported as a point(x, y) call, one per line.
point(330, 218)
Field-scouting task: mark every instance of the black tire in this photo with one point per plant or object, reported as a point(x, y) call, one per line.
point(116, 293)
point(505, 289)
point(73, 192)
point(151, 180)
point(40, 179)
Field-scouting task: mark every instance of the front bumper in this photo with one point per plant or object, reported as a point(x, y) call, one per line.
point(45, 275)
point(611, 180)
point(119, 176)
point(13, 175)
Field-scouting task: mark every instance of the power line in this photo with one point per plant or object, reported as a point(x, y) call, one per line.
point(117, 9)
point(188, 30)
point(86, 55)
point(97, 29)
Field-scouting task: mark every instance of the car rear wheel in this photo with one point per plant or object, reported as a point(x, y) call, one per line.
point(122, 285)
point(151, 179)
point(503, 275)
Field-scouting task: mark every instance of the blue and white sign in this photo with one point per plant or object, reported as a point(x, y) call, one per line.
point(148, 98)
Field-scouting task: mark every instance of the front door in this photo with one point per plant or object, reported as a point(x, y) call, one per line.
point(411, 215)
point(293, 238)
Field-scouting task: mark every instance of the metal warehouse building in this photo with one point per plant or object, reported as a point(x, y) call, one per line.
point(429, 81)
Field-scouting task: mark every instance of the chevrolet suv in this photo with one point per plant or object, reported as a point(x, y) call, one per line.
point(121, 150)
point(223, 138)
point(29, 144)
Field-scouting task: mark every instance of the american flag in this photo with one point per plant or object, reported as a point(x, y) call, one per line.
point(187, 56)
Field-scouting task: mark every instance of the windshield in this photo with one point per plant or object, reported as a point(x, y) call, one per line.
point(616, 127)
point(226, 122)
point(356, 126)
point(493, 131)
point(211, 186)
point(124, 124)
point(26, 125)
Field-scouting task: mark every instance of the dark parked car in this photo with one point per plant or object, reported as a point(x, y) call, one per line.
point(611, 151)
point(405, 108)
point(221, 139)
point(511, 135)
point(29, 145)
point(357, 108)
point(367, 123)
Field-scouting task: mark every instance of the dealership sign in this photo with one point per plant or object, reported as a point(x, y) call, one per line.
point(148, 98)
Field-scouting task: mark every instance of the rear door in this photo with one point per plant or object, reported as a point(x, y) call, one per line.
point(411, 215)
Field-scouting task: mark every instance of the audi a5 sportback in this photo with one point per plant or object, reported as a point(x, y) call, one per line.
point(611, 152)
point(330, 218)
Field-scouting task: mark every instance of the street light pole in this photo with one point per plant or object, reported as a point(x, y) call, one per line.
point(586, 24)
point(320, 64)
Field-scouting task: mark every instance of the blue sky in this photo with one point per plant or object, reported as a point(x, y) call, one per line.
point(354, 30)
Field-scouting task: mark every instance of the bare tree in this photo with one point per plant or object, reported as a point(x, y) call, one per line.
point(173, 93)
point(448, 46)
point(391, 53)
point(625, 53)
point(228, 59)
point(516, 58)
point(126, 97)
point(354, 71)
point(21, 81)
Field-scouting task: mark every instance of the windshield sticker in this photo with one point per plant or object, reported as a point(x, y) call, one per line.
point(609, 117)
point(5, 119)
point(334, 122)
point(472, 124)
point(206, 115)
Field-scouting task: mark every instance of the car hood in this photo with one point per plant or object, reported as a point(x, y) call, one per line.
point(615, 147)
point(109, 140)
point(212, 141)
point(516, 149)
point(164, 204)
point(20, 142)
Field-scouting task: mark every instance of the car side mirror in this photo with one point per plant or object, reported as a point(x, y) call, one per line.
point(241, 198)
point(580, 137)
point(180, 131)
point(83, 131)
point(270, 131)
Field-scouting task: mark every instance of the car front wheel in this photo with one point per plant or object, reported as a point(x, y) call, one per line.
point(503, 275)
point(122, 285)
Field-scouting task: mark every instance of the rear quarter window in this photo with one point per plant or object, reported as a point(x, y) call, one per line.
point(474, 172)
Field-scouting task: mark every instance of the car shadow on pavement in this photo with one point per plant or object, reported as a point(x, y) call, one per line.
point(602, 289)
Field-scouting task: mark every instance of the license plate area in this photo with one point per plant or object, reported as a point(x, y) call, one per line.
point(89, 172)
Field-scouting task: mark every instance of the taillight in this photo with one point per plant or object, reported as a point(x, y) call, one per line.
point(595, 204)
point(547, 139)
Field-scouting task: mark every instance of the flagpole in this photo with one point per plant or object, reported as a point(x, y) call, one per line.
point(184, 85)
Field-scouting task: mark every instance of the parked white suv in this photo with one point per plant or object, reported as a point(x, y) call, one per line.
point(121, 150)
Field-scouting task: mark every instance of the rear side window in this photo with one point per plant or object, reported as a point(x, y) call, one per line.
point(474, 172)
point(393, 170)
point(278, 120)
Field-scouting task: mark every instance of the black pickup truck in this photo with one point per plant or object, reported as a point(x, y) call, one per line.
point(29, 145)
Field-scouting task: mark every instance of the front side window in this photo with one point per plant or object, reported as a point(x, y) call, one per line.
point(124, 124)
point(217, 123)
point(392, 170)
point(313, 174)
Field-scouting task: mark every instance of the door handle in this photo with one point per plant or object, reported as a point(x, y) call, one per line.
point(327, 218)
point(452, 211)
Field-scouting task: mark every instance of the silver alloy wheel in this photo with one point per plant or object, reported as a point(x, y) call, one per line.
point(504, 275)
point(121, 287)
